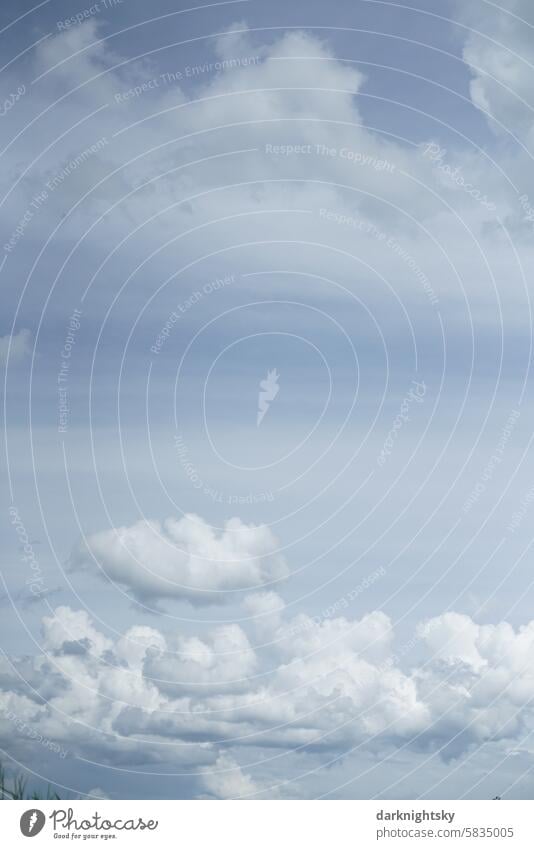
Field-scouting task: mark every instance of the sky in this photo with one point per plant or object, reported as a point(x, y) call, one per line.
point(265, 343)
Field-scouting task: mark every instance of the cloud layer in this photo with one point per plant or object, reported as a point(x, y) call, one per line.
point(201, 703)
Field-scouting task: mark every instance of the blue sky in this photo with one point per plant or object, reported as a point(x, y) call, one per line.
point(318, 211)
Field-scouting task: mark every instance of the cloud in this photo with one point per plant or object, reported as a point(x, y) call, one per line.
point(226, 780)
point(265, 610)
point(223, 660)
point(240, 123)
point(184, 558)
point(273, 686)
point(97, 793)
point(500, 55)
point(202, 701)
point(67, 627)
point(17, 347)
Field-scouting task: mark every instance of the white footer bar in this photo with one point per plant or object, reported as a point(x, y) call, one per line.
point(269, 824)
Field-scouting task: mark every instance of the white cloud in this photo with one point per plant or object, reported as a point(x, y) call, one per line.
point(185, 699)
point(68, 627)
point(132, 648)
point(97, 793)
point(338, 686)
point(224, 658)
point(265, 610)
point(500, 53)
point(275, 101)
point(17, 347)
point(184, 558)
point(226, 780)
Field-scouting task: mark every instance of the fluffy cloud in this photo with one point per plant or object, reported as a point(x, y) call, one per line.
point(226, 780)
point(69, 628)
point(202, 701)
point(223, 659)
point(184, 558)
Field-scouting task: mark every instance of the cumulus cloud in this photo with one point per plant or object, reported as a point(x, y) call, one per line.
point(265, 610)
point(479, 682)
point(68, 628)
point(223, 659)
point(226, 780)
point(17, 346)
point(184, 558)
point(271, 682)
point(201, 701)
